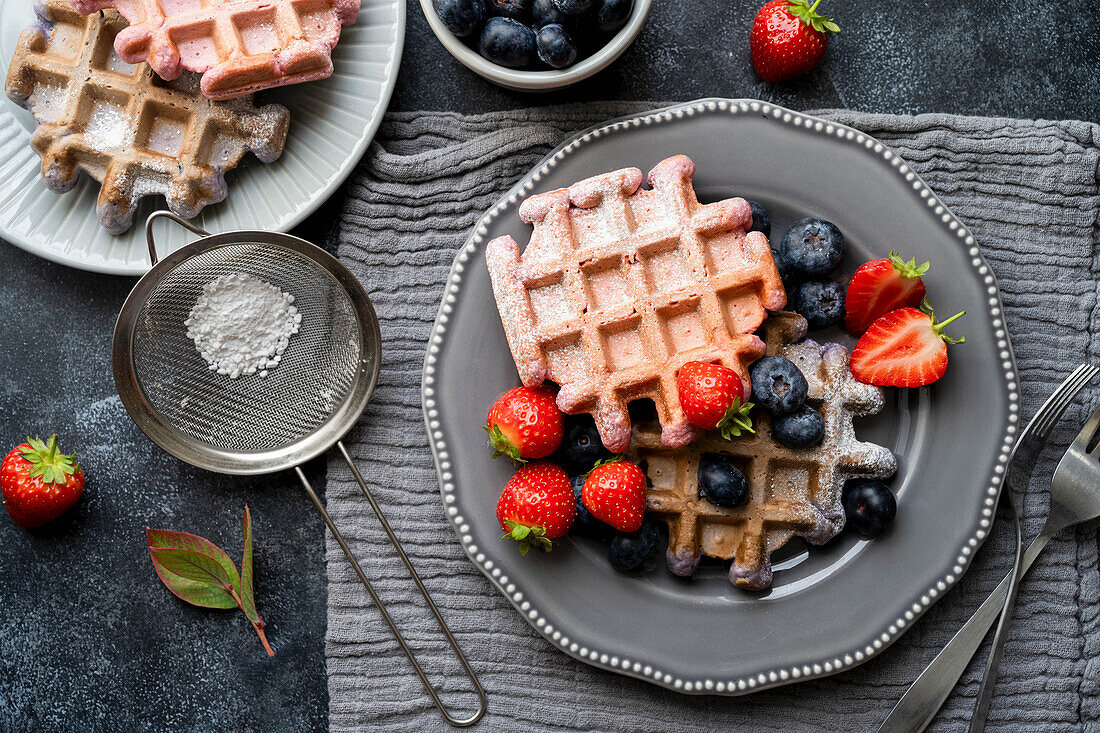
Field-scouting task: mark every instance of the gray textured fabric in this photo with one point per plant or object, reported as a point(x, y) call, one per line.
point(1029, 192)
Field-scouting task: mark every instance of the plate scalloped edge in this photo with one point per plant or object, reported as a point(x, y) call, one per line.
point(646, 670)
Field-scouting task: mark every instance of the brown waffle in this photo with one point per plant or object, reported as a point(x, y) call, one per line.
point(122, 125)
point(792, 492)
point(619, 286)
point(239, 46)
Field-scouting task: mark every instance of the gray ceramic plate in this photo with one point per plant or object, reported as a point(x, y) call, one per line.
point(830, 608)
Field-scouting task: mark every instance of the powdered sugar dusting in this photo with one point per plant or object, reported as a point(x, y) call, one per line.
point(242, 324)
point(109, 128)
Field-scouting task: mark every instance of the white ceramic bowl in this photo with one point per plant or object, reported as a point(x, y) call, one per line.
point(539, 81)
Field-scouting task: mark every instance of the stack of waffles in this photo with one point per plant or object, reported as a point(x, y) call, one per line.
point(130, 96)
point(620, 286)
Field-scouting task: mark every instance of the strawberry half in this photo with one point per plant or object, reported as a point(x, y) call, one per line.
point(536, 506)
point(880, 286)
point(614, 492)
point(524, 423)
point(711, 396)
point(788, 38)
point(904, 348)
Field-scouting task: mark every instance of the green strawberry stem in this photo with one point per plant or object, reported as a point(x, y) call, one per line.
point(527, 536)
point(502, 446)
point(736, 420)
point(938, 328)
point(258, 624)
point(48, 462)
point(809, 15)
point(908, 269)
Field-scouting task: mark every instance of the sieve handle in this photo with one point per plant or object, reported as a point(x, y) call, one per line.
point(482, 701)
point(163, 214)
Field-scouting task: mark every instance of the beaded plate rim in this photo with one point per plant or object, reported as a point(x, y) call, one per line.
point(646, 669)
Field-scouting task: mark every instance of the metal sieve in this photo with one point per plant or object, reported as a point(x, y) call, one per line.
point(253, 424)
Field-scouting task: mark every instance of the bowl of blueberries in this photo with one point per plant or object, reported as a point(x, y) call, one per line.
point(536, 45)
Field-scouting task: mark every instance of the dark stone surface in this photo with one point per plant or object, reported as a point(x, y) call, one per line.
point(1033, 58)
point(90, 640)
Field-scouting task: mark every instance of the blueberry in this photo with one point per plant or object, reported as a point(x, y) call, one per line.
point(761, 220)
point(462, 17)
point(611, 15)
point(507, 42)
point(574, 7)
point(628, 550)
point(777, 385)
point(821, 302)
point(581, 446)
point(802, 428)
point(518, 9)
point(813, 247)
point(869, 506)
point(585, 524)
point(721, 482)
point(545, 13)
point(556, 47)
point(787, 274)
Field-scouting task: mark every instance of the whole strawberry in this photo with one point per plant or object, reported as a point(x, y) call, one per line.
point(39, 482)
point(524, 424)
point(536, 506)
point(904, 348)
point(711, 396)
point(788, 38)
point(880, 286)
point(614, 493)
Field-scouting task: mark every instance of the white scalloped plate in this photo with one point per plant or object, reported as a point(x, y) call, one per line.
point(331, 123)
point(829, 608)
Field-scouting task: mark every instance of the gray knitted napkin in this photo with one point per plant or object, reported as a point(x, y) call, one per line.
point(1028, 190)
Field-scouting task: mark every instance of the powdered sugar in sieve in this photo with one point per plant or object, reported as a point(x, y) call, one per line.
point(241, 324)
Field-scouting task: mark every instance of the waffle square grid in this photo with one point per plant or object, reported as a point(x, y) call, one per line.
point(123, 126)
point(619, 286)
point(239, 46)
point(792, 492)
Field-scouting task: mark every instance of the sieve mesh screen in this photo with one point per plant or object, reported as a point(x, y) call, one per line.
point(251, 413)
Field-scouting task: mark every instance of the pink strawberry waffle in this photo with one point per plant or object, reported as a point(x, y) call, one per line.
point(239, 46)
point(620, 286)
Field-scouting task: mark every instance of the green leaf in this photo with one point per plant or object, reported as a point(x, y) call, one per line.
point(194, 566)
point(199, 572)
point(195, 593)
point(248, 602)
point(219, 568)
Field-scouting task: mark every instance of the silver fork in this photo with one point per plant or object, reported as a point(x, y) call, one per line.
point(915, 710)
point(993, 661)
